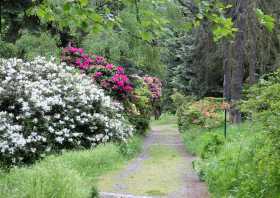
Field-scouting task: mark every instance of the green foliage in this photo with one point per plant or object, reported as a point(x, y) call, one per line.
point(179, 99)
point(266, 20)
point(140, 109)
point(131, 148)
point(244, 165)
point(223, 27)
point(263, 105)
point(72, 15)
point(214, 12)
point(43, 44)
point(7, 50)
point(206, 113)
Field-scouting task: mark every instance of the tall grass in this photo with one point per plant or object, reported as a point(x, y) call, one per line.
point(243, 165)
point(70, 175)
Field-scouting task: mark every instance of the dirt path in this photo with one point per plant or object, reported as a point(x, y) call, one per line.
point(163, 169)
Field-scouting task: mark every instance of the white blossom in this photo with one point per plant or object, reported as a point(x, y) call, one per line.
point(55, 106)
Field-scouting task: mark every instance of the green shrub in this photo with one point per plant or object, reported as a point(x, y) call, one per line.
point(203, 143)
point(263, 105)
point(179, 99)
point(7, 50)
point(244, 165)
point(32, 45)
point(140, 109)
point(131, 148)
point(47, 107)
point(206, 113)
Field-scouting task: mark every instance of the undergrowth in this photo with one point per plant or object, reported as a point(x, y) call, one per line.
point(242, 165)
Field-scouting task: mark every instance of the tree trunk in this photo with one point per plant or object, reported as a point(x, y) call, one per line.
point(252, 43)
point(237, 57)
point(227, 71)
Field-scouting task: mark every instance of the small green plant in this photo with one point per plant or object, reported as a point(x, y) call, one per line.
point(30, 45)
point(7, 50)
point(131, 148)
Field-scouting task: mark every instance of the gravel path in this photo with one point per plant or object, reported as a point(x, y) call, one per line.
point(163, 169)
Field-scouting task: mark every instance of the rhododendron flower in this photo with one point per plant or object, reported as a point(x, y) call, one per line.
point(120, 77)
point(78, 61)
point(99, 59)
point(81, 51)
point(74, 50)
point(98, 74)
point(84, 65)
point(120, 70)
point(87, 58)
point(113, 78)
point(120, 83)
point(109, 66)
point(128, 88)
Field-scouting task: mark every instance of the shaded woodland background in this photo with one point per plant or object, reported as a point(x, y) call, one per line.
point(160, 43)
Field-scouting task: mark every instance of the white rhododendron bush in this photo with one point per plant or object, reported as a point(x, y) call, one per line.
point(47, 107)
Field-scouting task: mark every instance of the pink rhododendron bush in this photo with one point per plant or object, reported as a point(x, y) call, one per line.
point(46, 107)
point(110, 77)
point(138, 94)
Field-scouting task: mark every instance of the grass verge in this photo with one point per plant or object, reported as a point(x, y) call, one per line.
point(243, 165)
point(70, 175)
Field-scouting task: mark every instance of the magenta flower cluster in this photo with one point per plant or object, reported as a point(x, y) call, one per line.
point(154, 84)
point(110, 77)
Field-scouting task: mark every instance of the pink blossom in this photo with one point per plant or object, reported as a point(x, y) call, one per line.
point(99, 59)
point(78, 61)
point(120, 69)
point(127, 88)
point(80, 50)
point(87, 58)
point(74, 50)
point(120, 83)
point(120, 77)
point(109, 66)
point(98, 74)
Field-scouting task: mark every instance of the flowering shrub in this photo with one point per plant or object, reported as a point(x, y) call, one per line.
point(139, 108)
point(110, 77)
point(154, 84)
point(139, 95)
point(46, 107)
point(206, 113)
